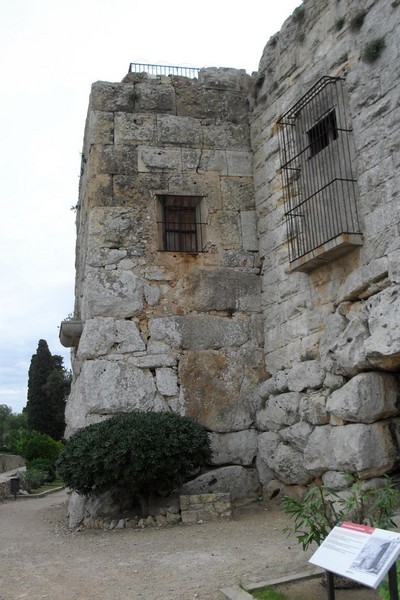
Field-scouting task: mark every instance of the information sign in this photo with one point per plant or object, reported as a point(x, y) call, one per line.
point(359, 552)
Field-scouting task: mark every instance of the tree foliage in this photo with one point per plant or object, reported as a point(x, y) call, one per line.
point(48, 387)
point(144, 452)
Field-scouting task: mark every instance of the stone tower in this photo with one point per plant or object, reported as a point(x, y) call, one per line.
point(238, 254)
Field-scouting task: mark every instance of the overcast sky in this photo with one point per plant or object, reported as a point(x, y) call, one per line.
point(51, 51)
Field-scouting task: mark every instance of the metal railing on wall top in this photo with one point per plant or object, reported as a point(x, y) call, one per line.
point(157, 70)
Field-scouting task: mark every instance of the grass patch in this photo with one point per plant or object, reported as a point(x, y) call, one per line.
point(48, 486)
point(268, 593)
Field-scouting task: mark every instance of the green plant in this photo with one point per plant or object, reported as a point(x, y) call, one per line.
point(260, 80)
point(373, 49)
point(268, 593)
point(321, 509)
point(33, 445)
point(383, 589)
point(339, 23)
point(357, 20)
point(144, 452)
point(32, 479)
point(298, 14)
point(45, 465)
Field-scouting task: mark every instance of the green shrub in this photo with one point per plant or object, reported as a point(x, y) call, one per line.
point(32, 479)
point(144, 452)
point(298, 14)
point(373, 50)
point(357, 20)
point(321, 509)
point(45, 465)
point(339, 23)
point(38, 445)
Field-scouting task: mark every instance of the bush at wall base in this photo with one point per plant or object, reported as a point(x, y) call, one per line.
point(144, 452)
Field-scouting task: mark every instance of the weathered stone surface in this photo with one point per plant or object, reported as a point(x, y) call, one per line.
point(313, 407)
point(115, 293)
point(218, 387)
point(222, 289)
point(106, 387)
point(279, 411)
point(289, 466)
point(349, 351)
point(104, 335)
point(383, 346)
point(336, 480)
point(76, 509)
point(239, 447)
point(366, 450)
point(366, 398)
point(277, 384)
point(268, 443)
point(167, 381)
point(199, 332)
point(308, 374)
point(242, 484)
point(297, 435)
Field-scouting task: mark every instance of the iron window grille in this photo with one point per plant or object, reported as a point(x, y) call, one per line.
point(318, 175)
point(181, 227)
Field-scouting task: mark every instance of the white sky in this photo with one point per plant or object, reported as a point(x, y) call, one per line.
point(51, 51)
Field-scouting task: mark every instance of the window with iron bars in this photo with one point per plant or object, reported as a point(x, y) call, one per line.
point(318, 176)
point(181, 224)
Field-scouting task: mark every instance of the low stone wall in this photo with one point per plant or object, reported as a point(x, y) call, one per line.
point(206, 507)
point(8, 462)
point(193, 509)
point(4, 489)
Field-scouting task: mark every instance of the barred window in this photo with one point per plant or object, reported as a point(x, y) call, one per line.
point(318, 176)
point(181, 225)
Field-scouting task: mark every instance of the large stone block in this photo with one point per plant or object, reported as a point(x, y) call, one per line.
point(280, 411)
point(289, 466)
point(222, 289)
point(366, 398)
point(297, 435)
point(242, 484)
point(117, 293)
point(313, 408)
point(104, 335)
point(239, 447)
point(366, 450)
point(180, 131)
point(199, 332)
point(106, 387)
point(218, 388)
point(304, 375)
point(134, 128)
point(383, 346)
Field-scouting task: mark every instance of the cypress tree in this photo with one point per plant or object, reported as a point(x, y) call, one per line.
point(48, 387)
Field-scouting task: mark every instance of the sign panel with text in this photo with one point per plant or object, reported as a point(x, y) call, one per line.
point(358, 552)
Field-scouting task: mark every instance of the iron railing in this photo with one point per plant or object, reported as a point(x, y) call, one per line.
point(317, 158)
point(157, 70)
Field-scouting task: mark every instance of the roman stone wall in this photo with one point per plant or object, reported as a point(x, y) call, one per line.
point(291, 366)
point(331, 335)
point(170, 330)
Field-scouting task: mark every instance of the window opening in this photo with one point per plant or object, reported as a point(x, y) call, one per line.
point(324, 132)
point(181, 226)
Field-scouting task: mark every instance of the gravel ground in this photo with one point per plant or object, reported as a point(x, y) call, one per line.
point(40, 558)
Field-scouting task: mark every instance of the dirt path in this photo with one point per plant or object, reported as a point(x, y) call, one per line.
point(41, 559)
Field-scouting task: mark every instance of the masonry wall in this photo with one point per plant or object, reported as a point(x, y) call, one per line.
point(331, 336)
point(295, 374)
point(171, 330)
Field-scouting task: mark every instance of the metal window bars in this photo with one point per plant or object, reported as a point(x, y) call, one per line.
point(158, 70)
point(317, 158)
